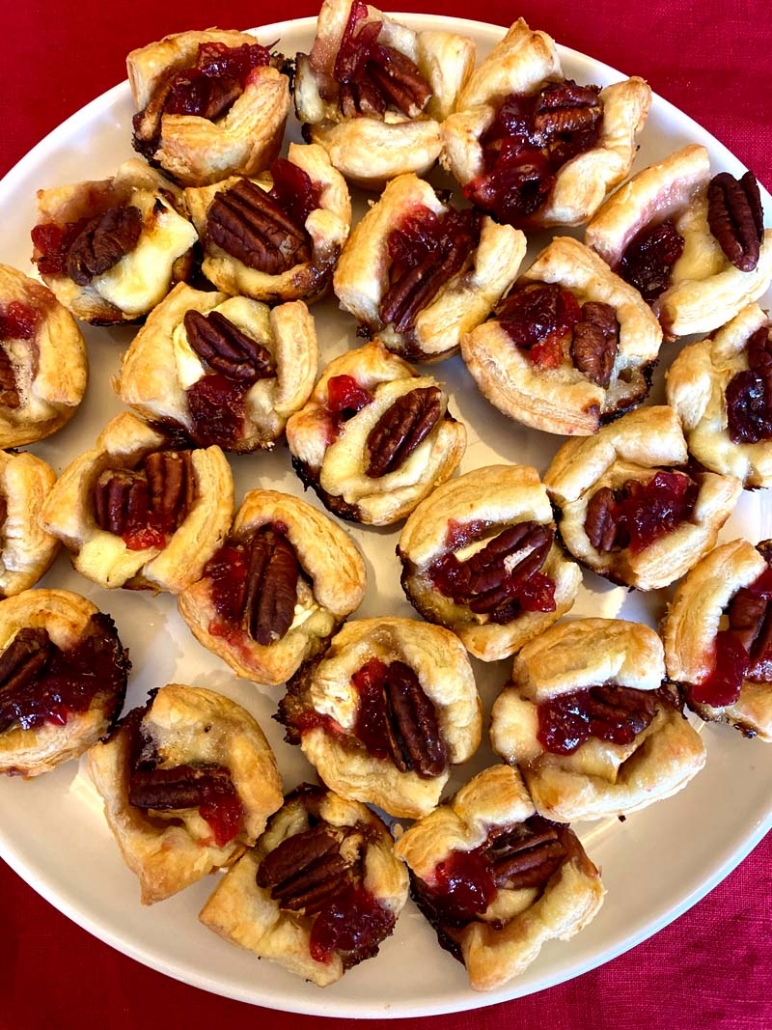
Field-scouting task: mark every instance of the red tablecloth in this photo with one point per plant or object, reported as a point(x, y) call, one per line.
point(713, 967)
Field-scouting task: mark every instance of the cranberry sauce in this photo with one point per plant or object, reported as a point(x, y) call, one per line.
point(18, 321)
point(647, 263)
point(639, 513)
point(52, 243)
point(294, 191)
point(212, 84)
point(610, 713)
point(749, 393)
point(353, 924)
point(540, 319)
point(345, 397)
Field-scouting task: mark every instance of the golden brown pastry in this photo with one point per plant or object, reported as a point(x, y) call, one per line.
point(374, 93)
point(479, 556)
point(588, 722)
point(272, 596)
point(138, 510)
point(26, 549)
point(375, 438)
point(420, 274)
point(385, 712)
point(565, 145)
point(570, 348)
point(225, 370)
point(629, 507)
point(111, 250)
point(497, 881)
point(188, 782)
point(275, 238)
point(210, 104)
point(63, 674)
point(717, 643)
point(668, 232)
point(43, 364)
point(355, 888)
point(719, 388)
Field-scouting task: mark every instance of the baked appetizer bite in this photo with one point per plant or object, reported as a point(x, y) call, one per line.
point(320, 891)
point(628, 505)
point(419, 273)
point(26, 549)
point(209, 105)
point(63, 675)
point(111, 250)
point(590, 724)
point(496, 880)
point(480, 557)
point(718, 646)
point(373, 92)
point(375, 438)
point(722, 390)
point(188, 782)
point(281, 584)
point(570, 348)
point(385, 712)
point(224, 370)
point(43, 363)
point(141, 509)
point(275, 238)
point(536, 149)
point(694, 245)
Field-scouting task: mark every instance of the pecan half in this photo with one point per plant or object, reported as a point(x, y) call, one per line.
point(735, 218)
point(307, 870)
point(750, 620)
point(609, 707)
point(103, 242)
point(400, 430)
point(525, 856)
point(183, 786)
point(226, 349)
point(595, 342)
point(9, 391)
point(565, 107)
point(160, 491)
point(600, 522)
point(23, 659)
point(273, 572)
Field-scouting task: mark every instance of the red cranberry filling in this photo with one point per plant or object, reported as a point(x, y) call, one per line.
point(540, 319)
point(18, 321)
point(217, 409)
point(647, 263)
point(613, 714)
point(749, 393)
point(638, 514)
point(345, 397)
point(354, 923)
point(215, 81)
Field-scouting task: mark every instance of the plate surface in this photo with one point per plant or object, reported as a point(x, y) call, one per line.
point(655, 865)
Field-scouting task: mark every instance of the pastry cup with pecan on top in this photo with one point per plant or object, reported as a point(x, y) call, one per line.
point(188, 782)
point(319, 892)
point(139, 510)
point(497, 881)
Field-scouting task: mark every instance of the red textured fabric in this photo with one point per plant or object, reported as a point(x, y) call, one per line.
point(712, 968)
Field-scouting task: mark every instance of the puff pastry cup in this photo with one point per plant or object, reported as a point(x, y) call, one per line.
point(573, 143)
point(588, 722)
point(63, 675)
point(657, 232)
point(374, 93)
point(140, 511)
point(385, 712)
point(209, 104)
point(375, 438)
point(420, 274)
point(496, 880)
point(630, 508)
point(719, 388)
point(225, 370)
point(480, 557)
point(188, 782)
point(571, 347)
point(111, 250)
point(26, 550)
point(717, 644)
point(272, 596)
point(43, 363)
point(319, 892)
point(275, 238)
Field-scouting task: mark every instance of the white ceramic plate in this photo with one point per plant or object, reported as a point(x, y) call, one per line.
point(655, 865)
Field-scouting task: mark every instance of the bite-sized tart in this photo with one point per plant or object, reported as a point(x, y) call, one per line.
point(480, 557)
point(209, 104)
point(374, 93)
point(26, 549)
point(43, 363)
point(630, 507)
point(385, 712)
point(694, 245)
point(111, 250)
point(375, 438)
point(63, 675)
point(420, 273)
point(570, 347)
point(141, 509)
point(718, 641)
point(536, 149)
point(188, 782)
point(275, 238)
point(319, 892)
point(590, 724)
point(281, 584)
point(496, 880)
point(225, 370)
point(722, 389)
